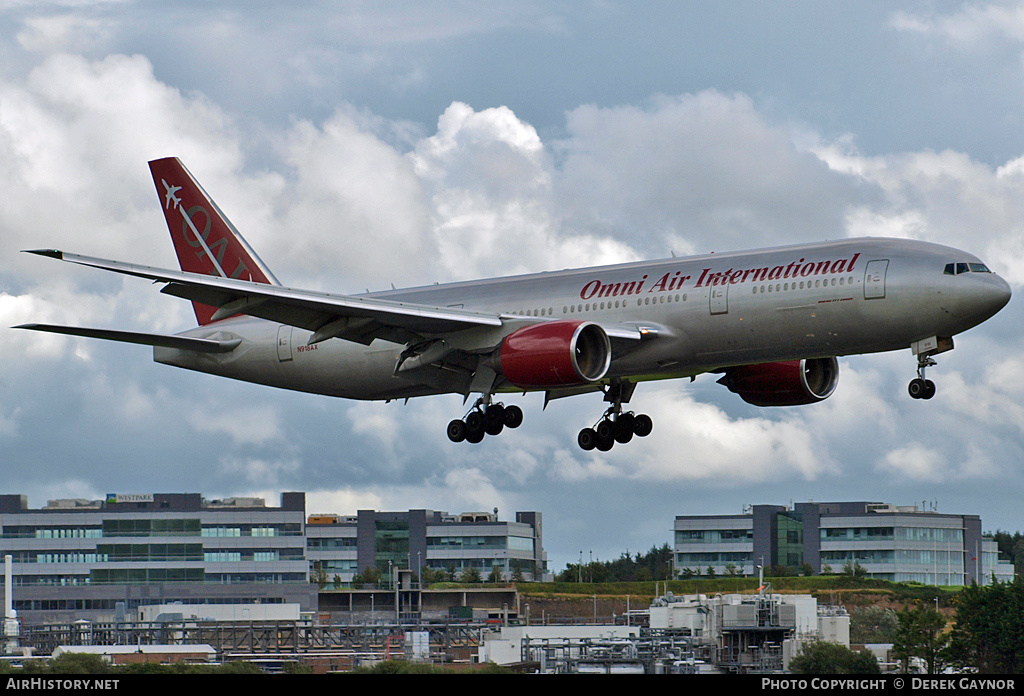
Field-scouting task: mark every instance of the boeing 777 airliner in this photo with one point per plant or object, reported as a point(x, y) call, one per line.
point(771, 322)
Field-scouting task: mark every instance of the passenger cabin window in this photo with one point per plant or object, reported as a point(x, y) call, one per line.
point(958, 268)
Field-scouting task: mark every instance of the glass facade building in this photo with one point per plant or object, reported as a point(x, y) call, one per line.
point(421, 540)
point(91, 559)
point(899, 543)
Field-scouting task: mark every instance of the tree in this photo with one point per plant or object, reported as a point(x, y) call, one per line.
point(820, 657)
point(495, 576)
point(369, 575)
point(988, 635)
point(854, 569)
point(79, 663)
point(656, 564)
point(922, 635)
point(873, 624)
point(470, 575)
point(319, 575)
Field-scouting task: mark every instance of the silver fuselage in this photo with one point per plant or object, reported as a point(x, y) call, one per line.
point(706, 313)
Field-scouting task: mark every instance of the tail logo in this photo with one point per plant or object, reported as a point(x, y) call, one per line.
point(200, 238)
point(170, 197)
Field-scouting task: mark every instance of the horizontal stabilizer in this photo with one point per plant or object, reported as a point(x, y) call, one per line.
point(200, 345)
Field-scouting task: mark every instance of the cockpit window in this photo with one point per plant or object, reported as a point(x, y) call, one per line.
point(958, 268)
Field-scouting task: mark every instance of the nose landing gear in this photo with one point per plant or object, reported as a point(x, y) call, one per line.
point(921, 388)
point(484, 419)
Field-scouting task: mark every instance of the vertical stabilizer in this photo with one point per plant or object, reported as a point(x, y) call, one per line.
point(204, 239)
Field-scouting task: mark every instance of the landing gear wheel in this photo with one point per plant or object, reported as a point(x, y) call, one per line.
point(513, 416)
point(587, 439)
point(921, 388)
point(623, 429)
point(495, 413)
point(457, 430)
point(475, 421)
point(615, 426)
point(483, 419)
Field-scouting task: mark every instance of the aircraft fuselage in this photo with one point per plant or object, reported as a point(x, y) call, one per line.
point(703, 313)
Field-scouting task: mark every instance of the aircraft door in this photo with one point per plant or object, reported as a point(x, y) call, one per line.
point(284, 343)
point(874, 279)
point(719, 298)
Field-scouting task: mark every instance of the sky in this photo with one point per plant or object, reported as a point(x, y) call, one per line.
point(361, 144)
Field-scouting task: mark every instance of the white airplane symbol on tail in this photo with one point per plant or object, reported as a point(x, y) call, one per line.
point(170, 197)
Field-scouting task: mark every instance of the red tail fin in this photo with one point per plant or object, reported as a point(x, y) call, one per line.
point(204, 239)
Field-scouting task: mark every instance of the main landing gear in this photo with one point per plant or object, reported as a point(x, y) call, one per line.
point(615, 426)
point(484, 419)
point(921, 388)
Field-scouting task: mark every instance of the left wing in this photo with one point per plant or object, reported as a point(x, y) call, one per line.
point(360, 319)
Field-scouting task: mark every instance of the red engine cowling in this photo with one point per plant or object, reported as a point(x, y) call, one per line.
point(555, 354)
point(791, 383)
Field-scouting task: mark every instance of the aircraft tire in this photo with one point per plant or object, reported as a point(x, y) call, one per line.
point(624, 428)
point(494, 415)
point(457, 430)
point(605, 443)
point(475, 422)
point(605, 430)
point(642, 425)
point(587, 439)
point(917, 388)
point(475, 436)
point(513, 416)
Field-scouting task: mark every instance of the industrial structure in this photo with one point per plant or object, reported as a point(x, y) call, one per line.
point(879, 540)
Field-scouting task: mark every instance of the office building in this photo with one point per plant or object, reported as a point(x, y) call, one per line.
point(96, 559)
point(421, 540)
point(898, 543)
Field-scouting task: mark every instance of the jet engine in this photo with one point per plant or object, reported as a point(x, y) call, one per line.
point(554, 354)
point(790, 383)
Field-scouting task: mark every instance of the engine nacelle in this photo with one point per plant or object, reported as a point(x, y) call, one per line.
point(790, 383)
point(555, 354)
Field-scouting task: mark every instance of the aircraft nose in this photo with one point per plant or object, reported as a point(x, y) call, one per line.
point(991, 295)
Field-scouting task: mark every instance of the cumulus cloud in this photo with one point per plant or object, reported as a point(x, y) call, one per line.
point(973, 25)
point(351, 199)
point(697, 441)
point(704, 171)
point(944, 197)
